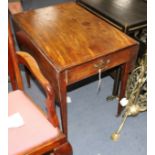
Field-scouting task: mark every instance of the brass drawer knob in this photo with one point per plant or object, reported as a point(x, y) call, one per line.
point(99, 65)
point(102, 64)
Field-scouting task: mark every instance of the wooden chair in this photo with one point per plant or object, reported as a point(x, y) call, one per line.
point(14, 7)
point(39, 134)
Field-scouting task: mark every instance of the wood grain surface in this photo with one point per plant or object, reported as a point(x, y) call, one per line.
point(70, 35)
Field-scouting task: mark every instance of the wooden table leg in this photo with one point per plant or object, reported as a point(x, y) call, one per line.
point(124, 78)
point(115, 92)
point(63, 103)
point(27, 74)
point(116, 82)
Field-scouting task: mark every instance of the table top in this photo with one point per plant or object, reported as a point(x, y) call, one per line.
point(125, 13)
point(68, 35)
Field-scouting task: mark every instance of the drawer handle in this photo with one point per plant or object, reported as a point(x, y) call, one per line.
point(102, 64)
point(99, 66)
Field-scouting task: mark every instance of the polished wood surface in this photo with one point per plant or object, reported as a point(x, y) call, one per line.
point(60, 142)
point(71, 44)
point(76, 36)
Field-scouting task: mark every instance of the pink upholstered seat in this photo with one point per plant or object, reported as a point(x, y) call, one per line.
point(36, 129)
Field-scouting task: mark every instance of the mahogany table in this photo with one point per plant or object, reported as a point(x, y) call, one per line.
point(71, 44)
point(129, 16)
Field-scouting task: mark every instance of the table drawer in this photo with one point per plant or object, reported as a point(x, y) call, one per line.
point(104, 63)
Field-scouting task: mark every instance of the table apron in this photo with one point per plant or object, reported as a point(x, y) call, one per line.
point(103, 63)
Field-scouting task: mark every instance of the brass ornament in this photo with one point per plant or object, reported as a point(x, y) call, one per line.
point(115, 136)
point(136, 94)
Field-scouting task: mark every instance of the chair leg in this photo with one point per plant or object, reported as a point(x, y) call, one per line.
point(12, 81)
point(11, 74)
point(64, 149)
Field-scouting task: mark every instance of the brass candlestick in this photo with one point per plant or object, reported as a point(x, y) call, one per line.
point(136, 95)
